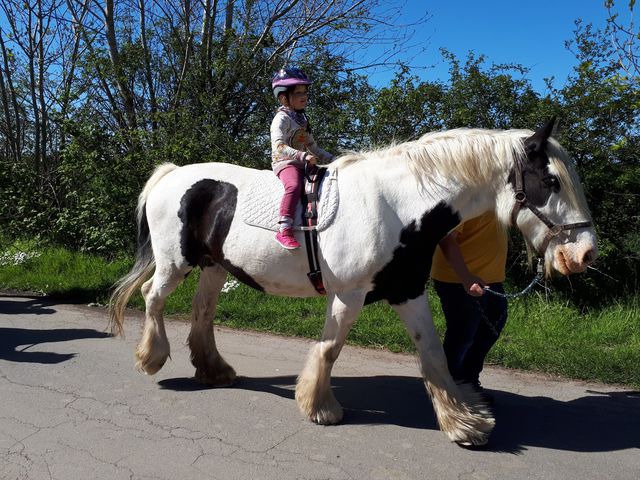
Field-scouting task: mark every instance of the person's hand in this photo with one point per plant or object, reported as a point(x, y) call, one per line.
point(473, 285)
point(311, 159)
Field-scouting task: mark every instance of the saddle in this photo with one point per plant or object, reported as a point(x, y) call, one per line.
point(260, 202)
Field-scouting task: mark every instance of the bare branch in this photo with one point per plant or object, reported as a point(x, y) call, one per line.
point(114, 54)
point(624, 38)
point(115, 109)
point(277, 15)
point(147, 66)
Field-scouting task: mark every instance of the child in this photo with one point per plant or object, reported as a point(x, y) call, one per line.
point(292, 146)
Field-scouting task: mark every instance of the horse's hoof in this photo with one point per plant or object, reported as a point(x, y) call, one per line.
point(478, 443)
point(150, 367)
point(151, 354)
point(224, 378)
point(328, 416)
point(329, 412)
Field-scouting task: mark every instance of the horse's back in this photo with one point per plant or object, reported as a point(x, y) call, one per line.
point(188, 175)
point(170, 191)
point(181, 200)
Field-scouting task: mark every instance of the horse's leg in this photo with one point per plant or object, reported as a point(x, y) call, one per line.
point(313, 390)
point(211, 368)
point(459, 410)
point(153, 349)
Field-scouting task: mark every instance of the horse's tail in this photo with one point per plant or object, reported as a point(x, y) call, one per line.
point(145, 262)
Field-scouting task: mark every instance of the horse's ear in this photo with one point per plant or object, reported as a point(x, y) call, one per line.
point(537, 141)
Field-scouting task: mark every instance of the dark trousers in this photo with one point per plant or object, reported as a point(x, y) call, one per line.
point(473, 327)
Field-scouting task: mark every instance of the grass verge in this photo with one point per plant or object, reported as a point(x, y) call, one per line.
point(544, 335)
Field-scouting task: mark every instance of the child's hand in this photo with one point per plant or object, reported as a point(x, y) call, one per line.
point(311, 159)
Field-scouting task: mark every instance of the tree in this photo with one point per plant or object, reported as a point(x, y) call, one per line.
point(154, 80)
point(600, 127)
point(624, 36)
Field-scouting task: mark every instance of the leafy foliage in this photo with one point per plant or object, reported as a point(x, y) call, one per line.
point(208, 99)
point(599, 107)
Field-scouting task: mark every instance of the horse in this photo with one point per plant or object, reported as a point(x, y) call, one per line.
point(395, 205)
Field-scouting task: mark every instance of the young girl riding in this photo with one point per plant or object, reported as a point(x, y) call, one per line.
point(292, 146)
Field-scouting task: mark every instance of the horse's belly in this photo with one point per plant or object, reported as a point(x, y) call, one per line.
point(255, 252)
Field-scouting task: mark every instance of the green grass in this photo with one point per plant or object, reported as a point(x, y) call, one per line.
point(602, 344)
point(58, 272)
point(542, 335)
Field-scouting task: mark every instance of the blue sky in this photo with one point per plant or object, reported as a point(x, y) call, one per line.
point(529, 33)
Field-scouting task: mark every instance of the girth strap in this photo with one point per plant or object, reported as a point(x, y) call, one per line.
point(313, 178)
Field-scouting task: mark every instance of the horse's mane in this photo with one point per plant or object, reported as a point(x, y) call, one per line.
point(566, 172)
point(469, 156)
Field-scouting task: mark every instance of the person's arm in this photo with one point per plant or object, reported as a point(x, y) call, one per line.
point(317, 151)
point(449, 245)
point(279, 148)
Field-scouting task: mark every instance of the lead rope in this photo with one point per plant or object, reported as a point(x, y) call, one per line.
point(528, 288)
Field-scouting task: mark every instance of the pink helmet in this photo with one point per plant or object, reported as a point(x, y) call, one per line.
point(288, 77)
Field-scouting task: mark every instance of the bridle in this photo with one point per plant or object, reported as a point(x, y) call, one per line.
point(522, 201)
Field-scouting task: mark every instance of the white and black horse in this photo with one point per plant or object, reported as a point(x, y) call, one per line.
point(395, 205)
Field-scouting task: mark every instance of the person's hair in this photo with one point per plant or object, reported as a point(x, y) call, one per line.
point(288, 90)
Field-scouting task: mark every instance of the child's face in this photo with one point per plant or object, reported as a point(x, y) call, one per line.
point(299, 97)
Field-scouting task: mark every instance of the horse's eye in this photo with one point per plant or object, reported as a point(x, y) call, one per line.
point(551, 182)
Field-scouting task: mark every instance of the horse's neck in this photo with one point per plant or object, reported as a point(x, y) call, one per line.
point(410, 199)
point(473, 201)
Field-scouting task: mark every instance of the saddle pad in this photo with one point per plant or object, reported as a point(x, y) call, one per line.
point(259, 205)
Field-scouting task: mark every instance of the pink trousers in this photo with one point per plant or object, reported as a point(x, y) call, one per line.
point(291, 178)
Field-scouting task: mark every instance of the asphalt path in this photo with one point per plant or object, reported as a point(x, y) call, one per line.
point(72, 406)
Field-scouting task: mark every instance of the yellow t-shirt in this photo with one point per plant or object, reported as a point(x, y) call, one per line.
point(483, 243)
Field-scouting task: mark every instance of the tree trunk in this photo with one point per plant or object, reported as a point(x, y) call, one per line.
point(208, 30)
point(32, 91)
point(228, 19)
point(6, 84)
point(188, 48)
point(69, 69)
point(41, 79)
point(147, 65)
point(114, 54)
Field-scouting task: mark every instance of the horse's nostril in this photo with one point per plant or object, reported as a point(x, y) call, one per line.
point(588, 257)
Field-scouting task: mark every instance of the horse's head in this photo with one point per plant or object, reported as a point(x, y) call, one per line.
point(549, 205)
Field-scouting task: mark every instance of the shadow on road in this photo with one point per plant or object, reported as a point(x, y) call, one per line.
point(592, 423)
point(596, 422)
point(16, 342)
point(33, 306)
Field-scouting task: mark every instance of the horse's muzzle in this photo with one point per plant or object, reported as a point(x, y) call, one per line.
point(573, 259)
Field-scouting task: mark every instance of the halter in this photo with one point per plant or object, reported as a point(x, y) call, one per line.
point(522, 201)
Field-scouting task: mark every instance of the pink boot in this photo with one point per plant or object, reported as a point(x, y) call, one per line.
point(286, 239)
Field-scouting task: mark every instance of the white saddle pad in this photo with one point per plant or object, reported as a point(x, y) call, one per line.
point(259, 205)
